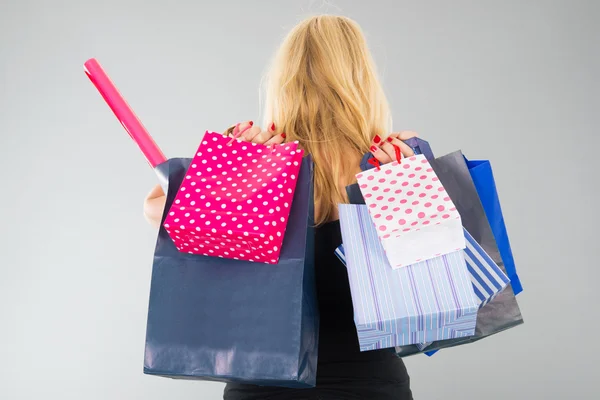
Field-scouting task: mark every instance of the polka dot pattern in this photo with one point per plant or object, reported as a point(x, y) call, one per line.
point(235, 200)
point(405, 200)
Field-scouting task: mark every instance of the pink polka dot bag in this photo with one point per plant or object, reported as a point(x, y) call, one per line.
point(414, 216)
point(235, 199)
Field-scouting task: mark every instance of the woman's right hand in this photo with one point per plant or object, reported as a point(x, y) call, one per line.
point(384, 149)
point(154, 205)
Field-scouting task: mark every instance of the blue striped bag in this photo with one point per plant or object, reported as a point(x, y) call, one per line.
point(426, 301)
point(487, 278)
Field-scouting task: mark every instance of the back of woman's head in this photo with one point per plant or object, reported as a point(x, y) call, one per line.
point(323, 91)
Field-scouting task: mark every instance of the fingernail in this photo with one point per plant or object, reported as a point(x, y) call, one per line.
point(251, 123)
point(282, 135)
point(389, 139)
point(273, 127)
point(377, 139)
point(374, 148)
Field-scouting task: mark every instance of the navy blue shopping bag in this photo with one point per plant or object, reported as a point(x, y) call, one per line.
point(236, 321)
point(483, 178)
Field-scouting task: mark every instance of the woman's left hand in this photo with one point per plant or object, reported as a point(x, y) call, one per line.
point(248, 132)
point(384, 149)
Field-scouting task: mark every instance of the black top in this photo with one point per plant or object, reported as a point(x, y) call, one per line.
point(337, 333)
point(338, 340)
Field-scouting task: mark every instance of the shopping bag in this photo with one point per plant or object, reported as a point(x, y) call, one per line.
point(483, 178)
point(219, 319)
point(408, 305)
point(415, 218)
point(486, 277)
point(235, 199)
point(419, 146)
point(503, 311)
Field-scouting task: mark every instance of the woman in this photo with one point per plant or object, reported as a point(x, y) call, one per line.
point(323, 91)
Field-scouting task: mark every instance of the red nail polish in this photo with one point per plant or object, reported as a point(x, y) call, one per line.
point(283, 135)
point(377, 139)
point(390, 139)
point(273, 127)
point(374, 149)
point(251, 123)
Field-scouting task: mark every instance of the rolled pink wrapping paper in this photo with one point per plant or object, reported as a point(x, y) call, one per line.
point(124, 113)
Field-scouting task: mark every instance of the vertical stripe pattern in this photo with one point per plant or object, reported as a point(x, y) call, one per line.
point(430, 300)
point(487, 280)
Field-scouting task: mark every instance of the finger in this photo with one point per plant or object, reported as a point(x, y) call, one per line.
point(154, 205)
point(380, 155)
point(242, 127)
point(153, 210)
point(262, 137)
point(377, 140)
point(266, 136)
point(277, 139)
point(404, 148)
point(156, 191)
point(249, 134)
point(389, 150)
point(404, 135)
point(230, 130)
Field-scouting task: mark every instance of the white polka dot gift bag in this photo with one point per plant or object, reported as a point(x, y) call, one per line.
point(235, 199)
point(414, 216)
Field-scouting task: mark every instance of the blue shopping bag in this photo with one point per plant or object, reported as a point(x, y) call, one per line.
point(483, 178)
point(503, 312)
point(227, 320)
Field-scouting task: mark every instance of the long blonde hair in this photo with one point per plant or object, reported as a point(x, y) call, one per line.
point(323, 91)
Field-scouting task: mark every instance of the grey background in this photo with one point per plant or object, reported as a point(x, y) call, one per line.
point(510, 81)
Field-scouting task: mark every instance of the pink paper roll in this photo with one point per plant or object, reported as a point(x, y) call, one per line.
point(124, 113)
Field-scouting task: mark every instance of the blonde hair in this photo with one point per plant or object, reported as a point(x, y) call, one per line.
point(323, 91)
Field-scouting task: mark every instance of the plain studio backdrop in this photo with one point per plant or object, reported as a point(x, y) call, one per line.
point(510, 81)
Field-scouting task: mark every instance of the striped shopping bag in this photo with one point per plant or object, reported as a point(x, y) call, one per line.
point(487, 278)
point(427, 301)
